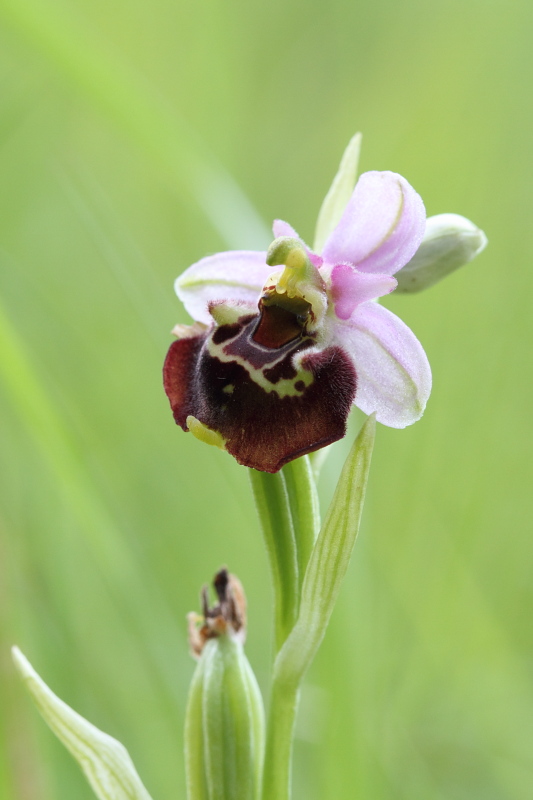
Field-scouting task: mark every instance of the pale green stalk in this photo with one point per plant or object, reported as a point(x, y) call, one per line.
point(280, 734)
point(271, 498)
point(305, 511)
point(326, 570)
point(329, 560)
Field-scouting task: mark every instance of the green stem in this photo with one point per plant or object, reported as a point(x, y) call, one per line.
point(305, 512)
point(325, 571)
point(271, 498)
point(289, 513)
point(280, 732)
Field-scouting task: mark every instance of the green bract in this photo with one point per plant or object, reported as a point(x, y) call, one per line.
point(224, 728)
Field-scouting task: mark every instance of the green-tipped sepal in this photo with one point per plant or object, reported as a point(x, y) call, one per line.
point(337, 198)
point(450, 241)
point(224, 726)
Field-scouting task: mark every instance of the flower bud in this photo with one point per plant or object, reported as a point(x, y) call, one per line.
point(224, 727)
point(449, 242)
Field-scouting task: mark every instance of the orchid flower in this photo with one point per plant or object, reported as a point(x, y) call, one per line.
point(275, 359)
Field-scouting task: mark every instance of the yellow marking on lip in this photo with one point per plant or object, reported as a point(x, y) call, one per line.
point(205, 434)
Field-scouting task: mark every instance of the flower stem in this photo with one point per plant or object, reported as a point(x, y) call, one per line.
point(324, 574)
point(303, 501)
point(280, 731)
point(272, 502)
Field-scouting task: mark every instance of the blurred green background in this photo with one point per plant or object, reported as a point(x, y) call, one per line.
point(136, 137)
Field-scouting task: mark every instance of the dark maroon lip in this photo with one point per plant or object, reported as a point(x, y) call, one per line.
point(263, 428)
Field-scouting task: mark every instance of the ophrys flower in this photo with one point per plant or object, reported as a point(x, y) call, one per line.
point(276, 358)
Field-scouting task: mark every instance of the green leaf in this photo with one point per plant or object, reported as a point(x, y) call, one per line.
point(340, 192)
point(104, 760)
point(329, 560)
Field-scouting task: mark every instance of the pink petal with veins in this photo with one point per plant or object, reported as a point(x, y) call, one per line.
point(382, 225)
point(393, 373)
point(350, 288)
point(233, 275)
